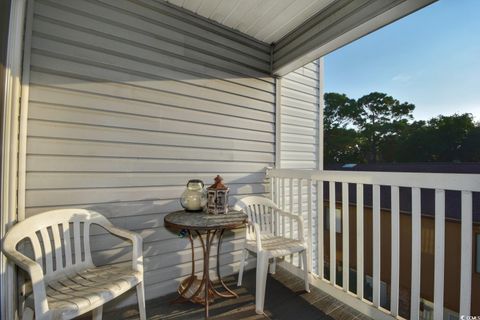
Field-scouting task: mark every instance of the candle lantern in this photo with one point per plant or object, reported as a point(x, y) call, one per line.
point(217, 197)
point(194, 197)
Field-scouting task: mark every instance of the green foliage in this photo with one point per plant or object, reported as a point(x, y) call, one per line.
point(342, 145)
point(337, 111)
point(379, 128)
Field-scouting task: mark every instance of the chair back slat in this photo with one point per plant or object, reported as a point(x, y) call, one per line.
point(259, 217)
point(47, 249)
point(253, 213)
point(67, 244)
point(58, 246)
point(77, 242)
point(37, 248)
point(86, 242)
point(266, 220)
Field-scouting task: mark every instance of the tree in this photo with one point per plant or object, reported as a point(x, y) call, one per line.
point(378, 127)
point(377, 117)
point(442, 139)
point(470, 151)
point(380, 117)
point(337, 110)
point(342, 146)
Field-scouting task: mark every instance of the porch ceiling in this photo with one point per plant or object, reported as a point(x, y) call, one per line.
point(301, 31)
point(264, 20)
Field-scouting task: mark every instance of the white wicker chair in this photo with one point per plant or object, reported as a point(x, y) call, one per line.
point(65, 281)
point(266, 237)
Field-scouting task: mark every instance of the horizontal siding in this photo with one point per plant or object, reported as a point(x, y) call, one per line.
point(128, 101)
point(299, 118)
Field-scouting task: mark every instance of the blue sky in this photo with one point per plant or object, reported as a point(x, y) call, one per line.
point(430, 58)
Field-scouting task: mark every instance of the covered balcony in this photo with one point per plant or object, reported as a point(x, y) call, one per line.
point(113, 106)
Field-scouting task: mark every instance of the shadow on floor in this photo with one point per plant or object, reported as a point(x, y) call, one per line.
point(285, 300)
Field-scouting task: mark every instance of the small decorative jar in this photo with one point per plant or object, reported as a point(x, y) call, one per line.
point(194, 198)
point(217, 197)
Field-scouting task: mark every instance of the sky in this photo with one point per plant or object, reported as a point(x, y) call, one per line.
point(430, 58)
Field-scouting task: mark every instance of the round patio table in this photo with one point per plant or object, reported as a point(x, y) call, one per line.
point(208, 225)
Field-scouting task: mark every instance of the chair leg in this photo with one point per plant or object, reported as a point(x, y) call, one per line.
point(261, 281)
point(97, 313)
point(242, 266)
point(27, 314)
point(273, 266)
point(305, 270)
point(141, 301)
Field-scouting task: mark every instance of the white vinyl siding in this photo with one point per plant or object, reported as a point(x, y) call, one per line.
point(131, 99)
point(300, 103)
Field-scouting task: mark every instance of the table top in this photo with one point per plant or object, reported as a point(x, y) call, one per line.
point(204, 221)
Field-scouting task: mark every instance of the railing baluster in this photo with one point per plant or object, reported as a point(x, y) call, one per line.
point(310, 225)
point(281, 200)
point(281, 217)
point(284, 203)
point(272, 188)
point(416, 254)
point(299, 197)
point(300, 209)
point(290, 185)
point(466, 255)
point(333, 253)
point(291, 210)
point(320, 258)
point(277, 191)
point(345, 237)
point(395, 270)
point(376, 245)
point(360, 240)
point(439, 254)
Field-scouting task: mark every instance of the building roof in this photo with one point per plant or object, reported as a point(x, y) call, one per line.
point(432, 167)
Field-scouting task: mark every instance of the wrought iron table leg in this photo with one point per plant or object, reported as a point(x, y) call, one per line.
point(206, 284)
point(206, 268)
point(181, 297)
point(230, 294)
point(204, 276)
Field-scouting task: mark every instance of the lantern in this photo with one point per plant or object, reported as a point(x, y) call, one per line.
point(217, 197)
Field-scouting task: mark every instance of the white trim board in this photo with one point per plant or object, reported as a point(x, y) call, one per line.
point(302, 57)
point(10, 150)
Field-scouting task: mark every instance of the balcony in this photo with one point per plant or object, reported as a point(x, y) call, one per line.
point(114, 105)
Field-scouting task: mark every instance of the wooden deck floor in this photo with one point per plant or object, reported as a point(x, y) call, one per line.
point(285, 300)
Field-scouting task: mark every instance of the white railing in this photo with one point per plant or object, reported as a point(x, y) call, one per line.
point(305, 187)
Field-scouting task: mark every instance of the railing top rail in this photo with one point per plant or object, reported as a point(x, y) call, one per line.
point(446, 181)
